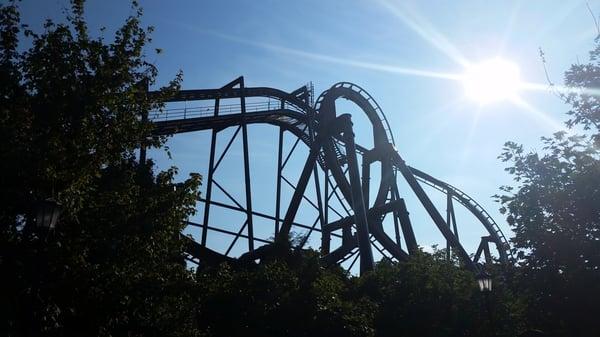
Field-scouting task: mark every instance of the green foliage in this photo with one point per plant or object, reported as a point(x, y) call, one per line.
point(290, 293)
point(555, 214)
point(69, 106)
point(429, 296)
point(286, 294)
point(71, 119)
point(115, 270)
point(584, 80)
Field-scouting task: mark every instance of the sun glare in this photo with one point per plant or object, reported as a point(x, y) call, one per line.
point(492, 81)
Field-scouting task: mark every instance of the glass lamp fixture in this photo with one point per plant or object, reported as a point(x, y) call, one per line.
point(48, 212)
point(485, 281)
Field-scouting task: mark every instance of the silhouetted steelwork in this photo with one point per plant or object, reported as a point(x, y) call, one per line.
point(333, 155)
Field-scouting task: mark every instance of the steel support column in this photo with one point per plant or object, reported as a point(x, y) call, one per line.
point(484, 247)
point(246, 169)
point(311, 132)
point(278, 192)
point(300, 188)
point(211, 170)
point(405, 224)
point(451, 220)
point(449, 211)
point(366, 180)
point(434, 213)
point(358, 203)
point(299, 192)
point(325, 236)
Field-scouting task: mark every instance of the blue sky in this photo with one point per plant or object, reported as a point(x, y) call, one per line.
point(285, 44)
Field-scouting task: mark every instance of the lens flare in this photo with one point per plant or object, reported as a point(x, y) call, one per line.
point(492, 81)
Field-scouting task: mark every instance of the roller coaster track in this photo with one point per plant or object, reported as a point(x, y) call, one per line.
point(476, 209)
point(330, 140)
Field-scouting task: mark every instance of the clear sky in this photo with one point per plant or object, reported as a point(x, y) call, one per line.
point(396, 50)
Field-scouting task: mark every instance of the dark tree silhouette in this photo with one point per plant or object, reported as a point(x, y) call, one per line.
point(70, 122)
point(555, 213)
point(289, 293)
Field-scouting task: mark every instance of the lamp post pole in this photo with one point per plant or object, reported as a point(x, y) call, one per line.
point(484, 281)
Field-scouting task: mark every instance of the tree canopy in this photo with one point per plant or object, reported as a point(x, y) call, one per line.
point(71, 110)
point(555, 212)
point(290, 293)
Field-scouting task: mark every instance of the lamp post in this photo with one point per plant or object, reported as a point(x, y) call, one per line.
point(48, 212)
point(484, 280)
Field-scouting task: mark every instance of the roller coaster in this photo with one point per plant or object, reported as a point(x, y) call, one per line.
point(349, 224)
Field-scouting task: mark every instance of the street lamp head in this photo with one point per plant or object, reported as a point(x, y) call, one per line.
point(485, 281)
point(47, 214)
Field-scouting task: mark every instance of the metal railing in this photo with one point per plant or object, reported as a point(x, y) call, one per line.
point(170, 114)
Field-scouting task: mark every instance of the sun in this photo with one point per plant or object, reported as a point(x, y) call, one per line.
point(493, 80)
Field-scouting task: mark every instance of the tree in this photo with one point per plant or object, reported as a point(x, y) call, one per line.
point(288, 293)
point(71, 120)
point(555, 213)
point(431, 296)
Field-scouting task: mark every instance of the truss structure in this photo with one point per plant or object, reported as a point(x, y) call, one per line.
point(349, 222)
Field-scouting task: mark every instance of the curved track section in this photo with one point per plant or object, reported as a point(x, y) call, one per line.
point(339, 169)
point(475, 208)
